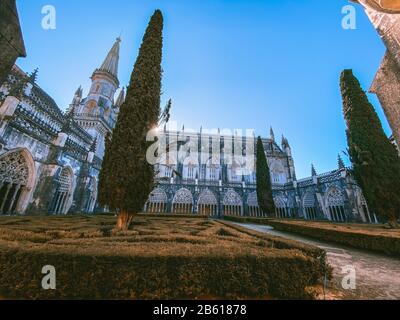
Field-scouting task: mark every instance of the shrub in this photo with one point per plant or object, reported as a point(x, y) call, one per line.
point(357, 239)
point(171, 261)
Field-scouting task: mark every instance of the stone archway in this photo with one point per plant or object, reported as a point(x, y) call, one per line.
point(183, 202)
point(253, 206)
point(362, 207)
point(157, 202)
point(310, 206)
point(64, 186)
point(233, 204)
point(207, 204)
point(335, 204)
point(91, 203)
point(281, 209)
point(17, 179)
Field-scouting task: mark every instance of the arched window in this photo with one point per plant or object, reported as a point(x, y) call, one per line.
point(183, 202)
point(278, 175)
point(253, 207)
point(157, 202)
point(233, 204)
point(362, 207)
point(190, 172)
point(281, 209)
point(91, 105)
point(335, 204)
point(63, 192)
point(213, 169)
point(92, 195)
point(207, 204)
point(310, 207)
point(14, 176)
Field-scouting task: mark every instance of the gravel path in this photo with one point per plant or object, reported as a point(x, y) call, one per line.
point(377, 276)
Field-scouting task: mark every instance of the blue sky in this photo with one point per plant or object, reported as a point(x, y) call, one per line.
point(246, 64)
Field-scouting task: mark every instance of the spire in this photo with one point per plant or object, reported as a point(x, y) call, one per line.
point(33, 76)
point(313, 171)
point(77, 98)
point(341, 164)
point(283, 143)
point(287, 143)
point(272, 134)
point(110, 64)
point(121, 98)
point(79, 92)
point(69, 116)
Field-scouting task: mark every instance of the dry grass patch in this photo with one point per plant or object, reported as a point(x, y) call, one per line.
point(159, 258)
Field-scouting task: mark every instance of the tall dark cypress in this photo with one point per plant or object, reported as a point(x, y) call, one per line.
point(375, 160)
point(264, 185)
point(127, 178)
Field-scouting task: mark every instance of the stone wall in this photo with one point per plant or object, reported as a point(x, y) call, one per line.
point(386, 84)
point(11, 42)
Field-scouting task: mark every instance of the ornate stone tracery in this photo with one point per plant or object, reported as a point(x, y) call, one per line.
point(309, 200)
point(183, 196)
point(335, 204)
point(63, 191)
point(158, 196)
point(335, 197)
point(208, 198)
point(252, 200)
point(15, 181)
point(280, 202)
point(14, 169)
point(232, 199)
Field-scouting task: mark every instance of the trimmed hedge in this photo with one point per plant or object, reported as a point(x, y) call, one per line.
point(378, 243)
point(374, 242)
point(160, 258)
point(283, 274)
point(247, 219)
point(281, 243)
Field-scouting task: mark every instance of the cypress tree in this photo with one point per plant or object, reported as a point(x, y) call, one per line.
point(127, 178)
point(264, 186)
point(375, 160)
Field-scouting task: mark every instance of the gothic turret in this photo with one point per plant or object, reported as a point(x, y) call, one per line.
point(105, 80)
point(272, 134)
point(110, 64)
point(121, 98)
point(97, 113)
point(313, 171)
point(77, 97)
point(285, 143)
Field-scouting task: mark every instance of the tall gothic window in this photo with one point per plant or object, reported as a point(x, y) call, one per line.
point(232, 203)
point(281, 209)
point(64, 186)
point(91, 203)
point(254, 209)
point(157, 202)
point(183, 202)
point(208, 204)
point(14, 174)
point(310, 207)
point(335, 202)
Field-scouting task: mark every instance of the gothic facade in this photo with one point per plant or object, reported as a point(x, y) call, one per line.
point(221, 189)
point(50, 160)
point(11, 41)
point(386, 85)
